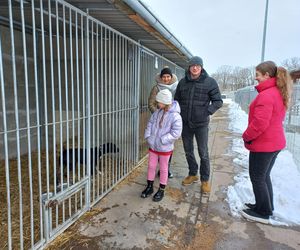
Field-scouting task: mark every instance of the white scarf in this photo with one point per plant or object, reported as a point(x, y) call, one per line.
point(172, 87)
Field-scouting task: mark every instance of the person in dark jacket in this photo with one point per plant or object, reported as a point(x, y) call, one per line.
point(264, 136)
point(199, 97)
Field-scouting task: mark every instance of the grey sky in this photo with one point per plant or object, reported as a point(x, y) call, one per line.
point(229, 32)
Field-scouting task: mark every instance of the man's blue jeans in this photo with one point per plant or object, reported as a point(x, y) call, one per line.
point(201, 135)
point(260, 166)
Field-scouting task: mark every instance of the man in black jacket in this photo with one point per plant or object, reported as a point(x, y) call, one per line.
point(199, 97)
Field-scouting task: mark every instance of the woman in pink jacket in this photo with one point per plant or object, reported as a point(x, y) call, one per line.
point(163, 129)
point(264, 136)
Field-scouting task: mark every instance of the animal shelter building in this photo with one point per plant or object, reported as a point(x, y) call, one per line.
point(74, 81)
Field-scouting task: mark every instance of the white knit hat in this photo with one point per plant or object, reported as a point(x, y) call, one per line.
point(164, 96)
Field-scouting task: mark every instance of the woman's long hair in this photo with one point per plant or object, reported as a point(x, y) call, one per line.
point(283, 79)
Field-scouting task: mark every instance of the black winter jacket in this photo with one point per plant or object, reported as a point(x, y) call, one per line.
point(198, 99)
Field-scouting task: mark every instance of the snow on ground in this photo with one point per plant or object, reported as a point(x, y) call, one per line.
point(285, 177)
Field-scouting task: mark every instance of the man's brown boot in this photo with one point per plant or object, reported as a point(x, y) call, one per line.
point(190, 180)
point(205, 187)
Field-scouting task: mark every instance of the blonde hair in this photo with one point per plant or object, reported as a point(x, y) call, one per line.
point(283, 79)
point(165, 109)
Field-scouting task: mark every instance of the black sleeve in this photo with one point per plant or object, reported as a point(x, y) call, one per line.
point(177, 93)
point(216, 101)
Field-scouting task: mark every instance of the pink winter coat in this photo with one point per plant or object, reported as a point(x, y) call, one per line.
point(265, 122)
point(162, 139)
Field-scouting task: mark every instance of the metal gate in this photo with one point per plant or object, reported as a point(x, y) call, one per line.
point(73, 112)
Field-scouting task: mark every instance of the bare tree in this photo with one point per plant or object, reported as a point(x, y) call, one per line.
point(248, 76)
point(292, 63)
point(230, 78)
point(233, 78)
point(223, 76)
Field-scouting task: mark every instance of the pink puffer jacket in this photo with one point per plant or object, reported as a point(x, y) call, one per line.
point(265, 123)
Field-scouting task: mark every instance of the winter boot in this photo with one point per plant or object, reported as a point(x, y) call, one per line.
point(160, 193)
point(190, 179)
point(205, 187)
point(148, 190)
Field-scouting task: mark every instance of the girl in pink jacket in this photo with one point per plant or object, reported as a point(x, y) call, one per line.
point(163, 129)
point(264, 136)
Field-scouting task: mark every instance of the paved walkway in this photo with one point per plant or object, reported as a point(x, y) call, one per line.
point(184, 219)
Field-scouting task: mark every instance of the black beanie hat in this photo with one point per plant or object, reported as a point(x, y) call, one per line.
point(196, 60)
point(166, 71)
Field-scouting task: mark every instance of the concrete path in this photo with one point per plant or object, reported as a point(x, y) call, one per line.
point(184, 219)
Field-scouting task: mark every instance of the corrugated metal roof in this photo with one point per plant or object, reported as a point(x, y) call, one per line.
point(120, 16)
point(126, 19)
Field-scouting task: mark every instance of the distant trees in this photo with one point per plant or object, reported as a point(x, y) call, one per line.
point(292, 63)
point(232, 78)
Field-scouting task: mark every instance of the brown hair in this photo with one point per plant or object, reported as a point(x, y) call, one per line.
point(283, 79)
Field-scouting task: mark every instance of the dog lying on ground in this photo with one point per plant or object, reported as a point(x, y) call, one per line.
point(95, 154)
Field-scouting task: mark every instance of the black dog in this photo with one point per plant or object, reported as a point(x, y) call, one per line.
point(95, 155)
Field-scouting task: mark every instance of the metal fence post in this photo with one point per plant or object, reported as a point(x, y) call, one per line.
point(88, 119)
point(138, 109)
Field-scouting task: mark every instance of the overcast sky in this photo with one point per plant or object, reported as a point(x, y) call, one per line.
point(229, 32)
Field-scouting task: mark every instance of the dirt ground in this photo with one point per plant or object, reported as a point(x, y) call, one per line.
point(184, 219)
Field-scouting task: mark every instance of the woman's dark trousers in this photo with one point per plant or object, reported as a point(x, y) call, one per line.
point(201, 135)
point(260, 166)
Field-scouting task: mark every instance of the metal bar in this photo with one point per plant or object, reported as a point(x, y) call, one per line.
point(45, 108)
point(60, 103)
point(66, 89)
point(97, 104)
point(28, 122)
point(109, 102)
point(118, 124)
point(37, 117)
point(129, 79)
point(127, 103)
point(72, 104)
point(93, 112)
point(83, 100)
point(78, 103)
point(45, 94)
point(55, 233)
point(113, 103)
point(60, 108)
point(121, 142)
point(123, 106)
point(53, 96)
point(105, 101)
point(66, 92)
point(138, 97)
point(83, 41)
point(101, 102)
point(88, 121)
point(7, 178)
point(72, 96)
point(69, 191)
point(17, 135)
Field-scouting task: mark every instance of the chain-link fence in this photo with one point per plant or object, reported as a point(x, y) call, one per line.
point(244, 97)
